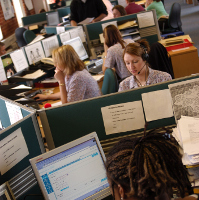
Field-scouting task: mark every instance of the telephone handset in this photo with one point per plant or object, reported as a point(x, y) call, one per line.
point(47, 61)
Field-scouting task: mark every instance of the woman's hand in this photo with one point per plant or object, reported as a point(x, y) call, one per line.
point(60, 76)
point(40, 97)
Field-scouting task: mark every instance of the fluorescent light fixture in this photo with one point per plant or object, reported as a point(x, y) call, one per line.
point(1, 35)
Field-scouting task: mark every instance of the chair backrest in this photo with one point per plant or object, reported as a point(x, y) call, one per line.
point(174, 16)
point(19, 36)
point(110, 82)
point(29, 36)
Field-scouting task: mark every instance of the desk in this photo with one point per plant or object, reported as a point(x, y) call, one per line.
point(184, 61)
point(142, 2)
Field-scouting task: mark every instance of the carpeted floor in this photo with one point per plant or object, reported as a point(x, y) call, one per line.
point(189, 18)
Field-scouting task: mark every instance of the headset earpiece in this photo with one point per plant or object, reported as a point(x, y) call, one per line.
point(145, 55)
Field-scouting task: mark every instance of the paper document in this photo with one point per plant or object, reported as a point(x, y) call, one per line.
point(14, 112)
point(2, 72)
point(64, 36)
point(34, 75)
point(21, 87)
point(74, 33)
point(101, 38)
point(98, 77)
point(60, 29)
point(122, 3)
point(38, 38)
point(34, 52)
point(81, 33)
point(127, 25)
point(86, 21)
point(56, 104)
point(50, 44)
point(145, 19)
point(19, 60)
point(185, 98)
point(157, 105)
point(1, 126)
point(189, 130)
point(13, 149)
point(123, 117)
point(104, 25)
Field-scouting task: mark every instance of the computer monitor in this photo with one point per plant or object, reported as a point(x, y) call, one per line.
point(52, 18)
point(73, 171)
point(77, 44)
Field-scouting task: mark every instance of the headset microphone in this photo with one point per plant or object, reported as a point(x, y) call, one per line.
point(142, 68)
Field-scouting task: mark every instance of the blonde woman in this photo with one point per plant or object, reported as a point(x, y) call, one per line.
point(75, 82)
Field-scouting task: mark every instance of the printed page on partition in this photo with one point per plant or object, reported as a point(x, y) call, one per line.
point(60, 29)
point(37, 39)
point(104, 25)
point(74, 33)
point(19, 60)
point(64, 36)
point(145, 19)
point(49, 44)
point(157, 105)
point(122, 3)
point(34, 52)
point(123, 117)
point(13, 149)
point(2, 72)
point(185, 98)
point(189, 130)
point(81, 33)
point(14, 112)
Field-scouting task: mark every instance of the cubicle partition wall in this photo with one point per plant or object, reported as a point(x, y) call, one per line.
point(151, 33)
point(68, 122)
point(53, 29)
point(19, 142)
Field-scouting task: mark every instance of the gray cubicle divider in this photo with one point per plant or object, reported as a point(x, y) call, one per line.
point(68, 122)
point(152, 33)
point(20, 177)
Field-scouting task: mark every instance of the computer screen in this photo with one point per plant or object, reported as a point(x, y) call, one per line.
point(52, 18)
point(77, 44)
point(73, 171)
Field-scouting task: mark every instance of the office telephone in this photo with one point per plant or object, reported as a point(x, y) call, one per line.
point(47, 61)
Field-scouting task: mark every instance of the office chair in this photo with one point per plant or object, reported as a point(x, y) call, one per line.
point(159, 60)
point(19, 36)
point(174, 21)
point(29, 36)
point(110, 82)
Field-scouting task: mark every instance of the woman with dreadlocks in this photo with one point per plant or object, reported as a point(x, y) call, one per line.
point(147, 168)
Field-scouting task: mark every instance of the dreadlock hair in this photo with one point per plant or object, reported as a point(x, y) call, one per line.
point(147, 167)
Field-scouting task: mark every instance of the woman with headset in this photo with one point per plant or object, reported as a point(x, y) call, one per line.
point(135, 58)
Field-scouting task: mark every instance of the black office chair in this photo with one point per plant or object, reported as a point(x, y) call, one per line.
point(159, 60)
point(174, 21)
point(19, 36)
point(29, 36)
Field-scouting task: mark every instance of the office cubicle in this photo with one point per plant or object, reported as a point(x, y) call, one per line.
point(21, 137)
point(68, 122)
point(151, 33)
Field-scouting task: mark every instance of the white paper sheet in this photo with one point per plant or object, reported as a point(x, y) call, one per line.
point(157, 105)
point(29, 4)
point(34, 75)
point(1, 126)
point(145, 19)
point(74, 33)
point(104, 25)
point(2, 72)
point(7, 8)
point(122, 3)
point(37, 39)
point(21, 87)
point(65, 37)
point(86, 21)
point(101, 38)
point(123, 117)
point(34, 52)
point(13, 149)
point(189, 130)
point(60, 29)
point(81, 33)
point(14, 112)
point(19, 60)
point(49, 44)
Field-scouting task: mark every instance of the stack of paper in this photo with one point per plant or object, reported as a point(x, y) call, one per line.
point(127, 25)
point(187, 135)
point(35, 74)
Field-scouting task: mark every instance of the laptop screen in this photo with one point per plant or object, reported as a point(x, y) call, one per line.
point(77, 172)
point(78, 46)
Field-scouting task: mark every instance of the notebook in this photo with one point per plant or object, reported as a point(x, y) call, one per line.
point(73, 171)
